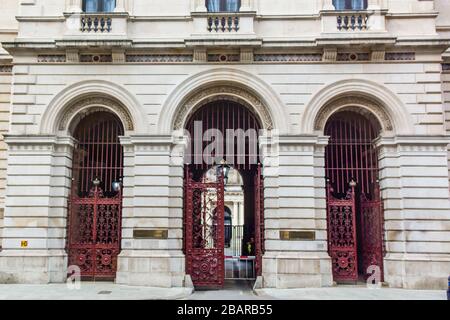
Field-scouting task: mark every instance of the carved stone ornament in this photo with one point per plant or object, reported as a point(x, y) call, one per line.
point(89, 105)
point(370, 109)
point(231, 93)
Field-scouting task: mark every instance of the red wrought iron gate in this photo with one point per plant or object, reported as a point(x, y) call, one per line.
point(259, 221)
point(354, 206)
point(205, 231)
point(205, 261)
point(95, 205)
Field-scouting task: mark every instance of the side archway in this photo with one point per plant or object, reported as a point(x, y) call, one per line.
point(220, 84)
point(83, 98)
point(366, 97)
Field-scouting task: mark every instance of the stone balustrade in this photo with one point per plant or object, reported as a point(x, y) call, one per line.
point(98, 23)
point(223, 23)
point(355, 21)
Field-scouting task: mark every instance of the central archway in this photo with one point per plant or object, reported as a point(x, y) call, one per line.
point(95, 205)
point(224, 134)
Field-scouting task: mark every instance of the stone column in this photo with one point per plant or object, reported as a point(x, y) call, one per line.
point(75, 6)
point(414, 184)
point(200, 6)
point(241, 213)
point(327, 5)
point(152, 203)
point(38, 184)
point(294, 201)
point(120, 6)
point(246, 5)
point(235, 213)
point(374, 5)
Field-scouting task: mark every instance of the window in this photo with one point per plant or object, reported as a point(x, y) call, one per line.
point(350, 4)
point(90, 6)
point(223, 5)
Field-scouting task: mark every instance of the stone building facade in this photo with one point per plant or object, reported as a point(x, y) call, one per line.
point(294, 65)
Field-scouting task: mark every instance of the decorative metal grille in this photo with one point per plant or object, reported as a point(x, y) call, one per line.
point(59, 58)
point(400, 56)
point(224, 115)
point(159, 58)
point(307, 57)
point(204, 224)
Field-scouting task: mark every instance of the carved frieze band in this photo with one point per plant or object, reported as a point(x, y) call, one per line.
point(353, 103)
point(52, 58)
point(223, 93)
point(96, 104)
point(5, 69)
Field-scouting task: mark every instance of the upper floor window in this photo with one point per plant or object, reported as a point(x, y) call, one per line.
point(350, 4)
point(223, 5)
point(90, 6)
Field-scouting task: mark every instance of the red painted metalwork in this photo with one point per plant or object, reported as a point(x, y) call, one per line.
point(205, 231)
point(225, 115)
point(259, 220)
point(372, 231)
point(351, 155)
point(342, 235)
point(94, 220)
point(203, 264)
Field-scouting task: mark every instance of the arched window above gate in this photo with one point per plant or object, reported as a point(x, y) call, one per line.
point(223, 130)
point(98, 154)
point(351, 154)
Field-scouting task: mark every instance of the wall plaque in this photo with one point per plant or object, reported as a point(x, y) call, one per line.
point(151, 234)
point(297, 235)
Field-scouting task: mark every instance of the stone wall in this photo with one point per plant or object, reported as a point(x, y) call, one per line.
point(446, 100)
point(414, 171)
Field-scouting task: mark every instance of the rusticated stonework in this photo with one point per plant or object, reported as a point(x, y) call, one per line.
point(231, 93)
point(96, 104)
point(352, 103)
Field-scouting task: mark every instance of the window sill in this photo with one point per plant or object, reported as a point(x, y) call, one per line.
point(109, 14)
point(344, 12)
point(223, 13)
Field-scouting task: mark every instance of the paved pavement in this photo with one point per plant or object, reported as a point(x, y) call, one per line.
point(89, 291)
point(232, 291)
point(352, 293)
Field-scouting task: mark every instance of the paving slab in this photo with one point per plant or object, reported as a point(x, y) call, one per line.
point(352, 293)
point(89, 291)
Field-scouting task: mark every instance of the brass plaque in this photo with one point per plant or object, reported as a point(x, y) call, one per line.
point(151, 234)
point(297, 235)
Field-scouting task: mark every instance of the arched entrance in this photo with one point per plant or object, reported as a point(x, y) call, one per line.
point(354, 206)
point(224, 137)
point(95, 205)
